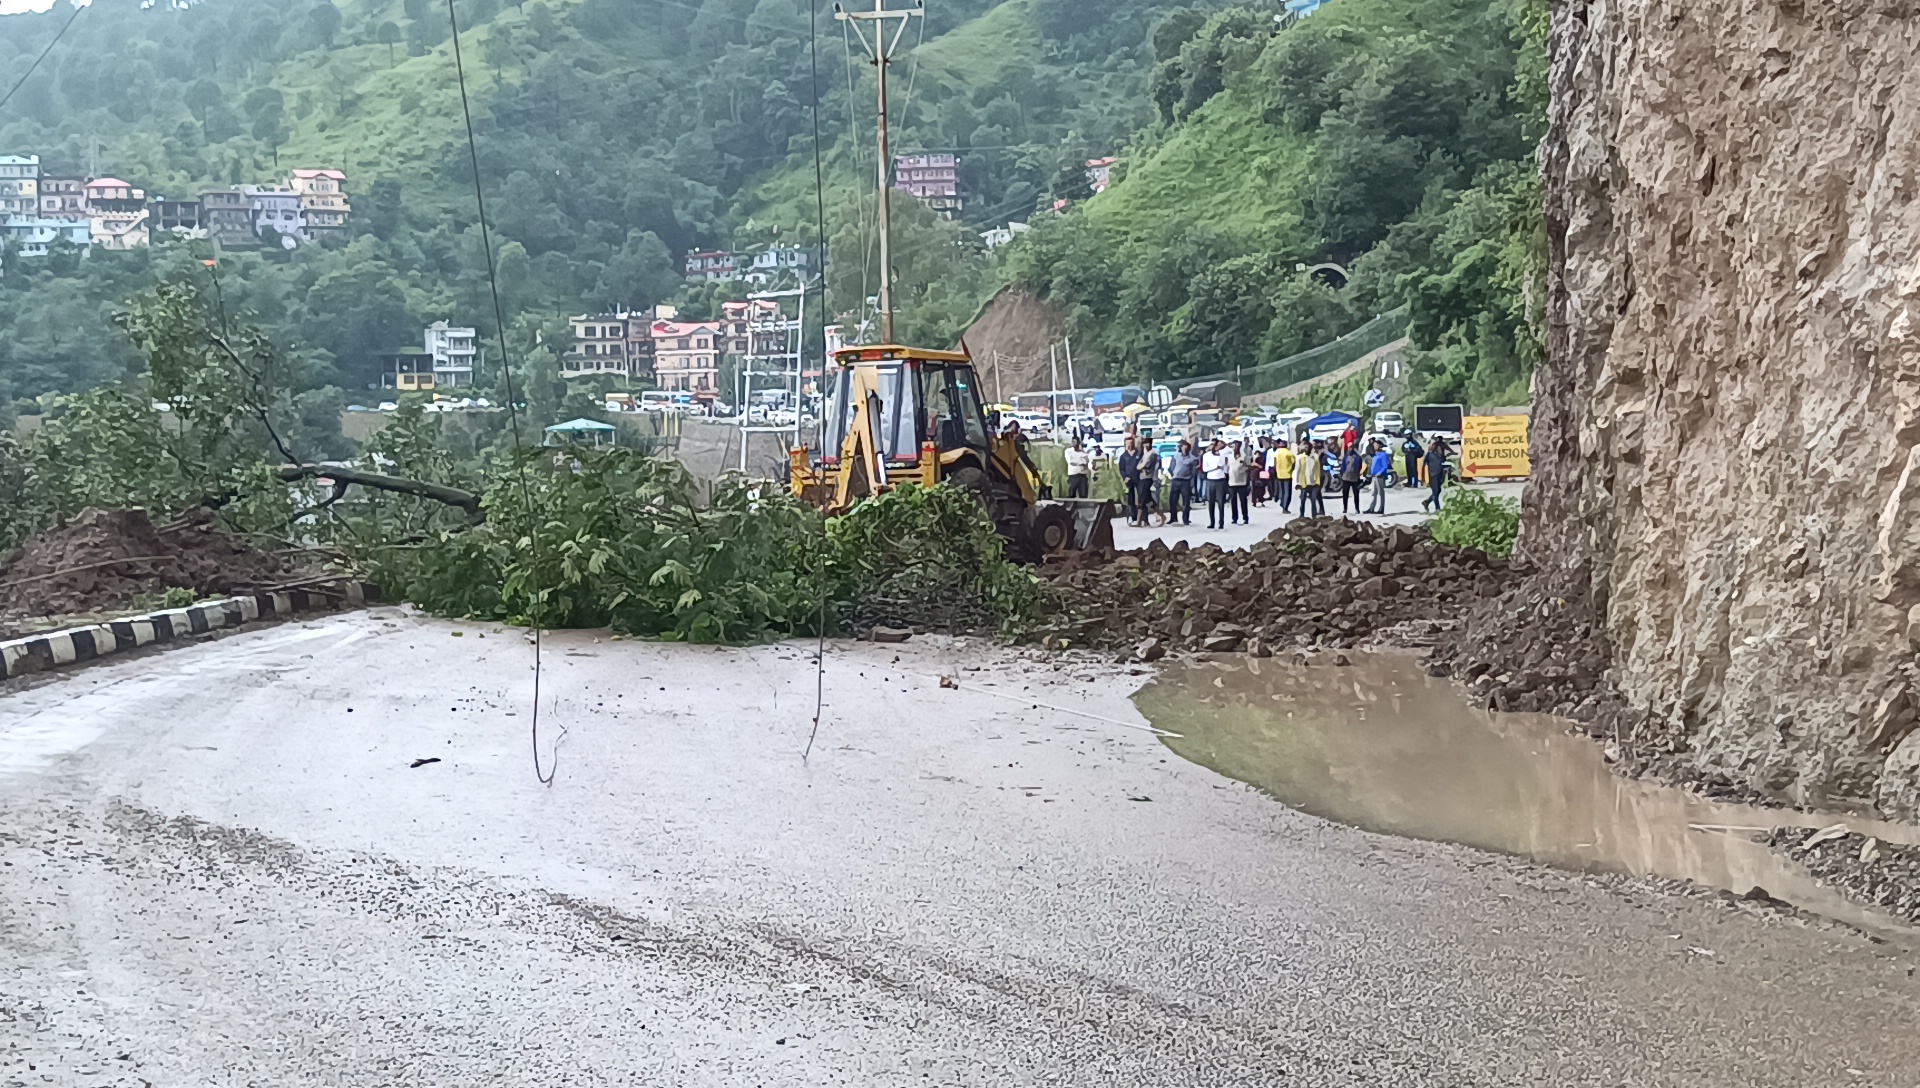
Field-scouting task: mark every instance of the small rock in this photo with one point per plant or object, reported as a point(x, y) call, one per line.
point(891, 635)
point(1221, 644)
point(1150, 650)
point(1342, 660)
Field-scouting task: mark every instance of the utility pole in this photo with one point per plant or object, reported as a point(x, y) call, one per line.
point(880, 50)
point(1053, 385)
point(1071, 384)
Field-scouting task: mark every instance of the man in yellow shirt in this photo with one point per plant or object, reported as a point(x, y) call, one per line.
point(1280, 470)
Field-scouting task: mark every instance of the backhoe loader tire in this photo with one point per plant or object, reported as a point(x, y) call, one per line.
point(1048, 528)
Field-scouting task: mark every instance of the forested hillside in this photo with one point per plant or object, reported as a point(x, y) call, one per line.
point(1393, 137)
point(614, 135)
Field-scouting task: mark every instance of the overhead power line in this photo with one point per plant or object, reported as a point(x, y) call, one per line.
point(31, 68)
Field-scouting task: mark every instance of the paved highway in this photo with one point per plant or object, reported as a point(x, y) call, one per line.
point(222, 867)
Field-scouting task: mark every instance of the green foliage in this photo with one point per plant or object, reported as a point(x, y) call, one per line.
point(1387, 136)
point(1472, 519)
point(927, 556)
point(615, 135)
point(619, 539)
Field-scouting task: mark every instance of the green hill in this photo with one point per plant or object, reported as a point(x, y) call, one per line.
point(614, 136)
point(1386, 136)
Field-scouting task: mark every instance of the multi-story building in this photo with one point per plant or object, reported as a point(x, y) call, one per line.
point(277, 210)
point(455, 355)
point(710, 265)
point(63, 197)
point(19, 185)
point(407, 371)
point(116, 214)
point(640, 340)
point(599, 346)
point(35, 235)
point(1100, 173)
point(777, 263)
point(686, 357)
point(934, 178)
point(175, 219)
point(738, 322)
point(227, 217)
point(323, 198)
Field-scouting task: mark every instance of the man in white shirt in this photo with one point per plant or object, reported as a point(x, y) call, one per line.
point(1079, 470)
point(1214, 466)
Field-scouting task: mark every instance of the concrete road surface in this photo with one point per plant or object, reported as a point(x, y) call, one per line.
point(1403, 508)
point(222, 868)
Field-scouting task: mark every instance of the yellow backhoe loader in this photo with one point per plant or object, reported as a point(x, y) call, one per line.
point(897, 415)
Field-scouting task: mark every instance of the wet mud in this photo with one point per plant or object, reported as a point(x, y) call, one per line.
point(1380, 745)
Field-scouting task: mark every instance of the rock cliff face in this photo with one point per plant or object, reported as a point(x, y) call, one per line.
point(1725, 436)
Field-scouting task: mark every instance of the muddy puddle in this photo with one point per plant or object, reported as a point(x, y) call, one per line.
point(1382, 746)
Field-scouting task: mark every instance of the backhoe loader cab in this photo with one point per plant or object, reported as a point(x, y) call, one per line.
point(897, 414)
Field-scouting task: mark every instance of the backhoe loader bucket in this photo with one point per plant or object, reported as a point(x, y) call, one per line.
point(1092, 522)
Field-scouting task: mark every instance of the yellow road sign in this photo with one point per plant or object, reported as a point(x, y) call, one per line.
point(1493, 447)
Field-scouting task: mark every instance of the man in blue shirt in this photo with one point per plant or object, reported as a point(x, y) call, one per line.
point(1379, 463)
point(1182, 468)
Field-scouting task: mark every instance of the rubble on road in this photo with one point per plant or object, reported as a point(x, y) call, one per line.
point(101, 561)
point(1316, 583)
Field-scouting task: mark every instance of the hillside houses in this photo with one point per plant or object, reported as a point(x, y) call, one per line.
point(39, 209)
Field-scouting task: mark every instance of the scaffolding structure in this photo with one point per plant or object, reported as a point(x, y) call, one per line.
point(775, 359)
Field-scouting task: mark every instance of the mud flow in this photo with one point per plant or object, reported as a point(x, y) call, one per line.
point(1381, 746)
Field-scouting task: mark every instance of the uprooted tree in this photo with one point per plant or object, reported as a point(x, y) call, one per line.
point(566, 537)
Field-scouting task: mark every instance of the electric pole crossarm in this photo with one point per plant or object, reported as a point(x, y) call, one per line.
point(881, 51)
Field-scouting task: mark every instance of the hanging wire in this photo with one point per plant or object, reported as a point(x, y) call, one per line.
point(547, 776)
point(24, 76)
point(820, 210)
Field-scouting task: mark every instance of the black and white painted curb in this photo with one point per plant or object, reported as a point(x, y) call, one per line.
point(57, 649)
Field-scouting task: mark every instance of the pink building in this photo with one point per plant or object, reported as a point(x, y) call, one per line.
point(934, 178)
point(686, 356)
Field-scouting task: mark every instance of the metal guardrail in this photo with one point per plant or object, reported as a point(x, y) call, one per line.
point(1315, 361)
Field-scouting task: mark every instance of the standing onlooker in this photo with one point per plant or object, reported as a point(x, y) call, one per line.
point(1351, 467)
point(1437, 469)
point(1282, 466)
point(1410, 452)
point(1257, 471)
point(1309, 473)
point(1350, 438)
point(1130, 478)
point(1079, 470)
point(1380, 462)
point(1237, 470)
point(1182, 467)
point(1148, 497)
point(1213, 467)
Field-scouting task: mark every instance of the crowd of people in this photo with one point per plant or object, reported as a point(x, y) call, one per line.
point(1232, 477)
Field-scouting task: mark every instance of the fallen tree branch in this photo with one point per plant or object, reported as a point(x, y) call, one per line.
point(399, 485)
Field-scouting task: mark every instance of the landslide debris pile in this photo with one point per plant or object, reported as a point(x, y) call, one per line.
point(103, 560)
point(1311, 583)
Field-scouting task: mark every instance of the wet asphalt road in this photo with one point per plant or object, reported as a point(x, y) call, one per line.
point(221, 869)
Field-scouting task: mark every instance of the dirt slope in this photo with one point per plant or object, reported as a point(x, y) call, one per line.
point(1011, 342)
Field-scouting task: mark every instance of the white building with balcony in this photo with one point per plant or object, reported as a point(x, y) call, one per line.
point(456, 355)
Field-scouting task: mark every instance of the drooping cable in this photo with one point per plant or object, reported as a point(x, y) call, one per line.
point(820, 225)
point(545, 777)
point(24, 76)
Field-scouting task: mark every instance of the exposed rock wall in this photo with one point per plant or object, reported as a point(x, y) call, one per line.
point(1725, 434)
